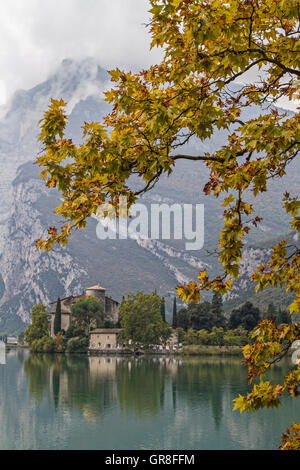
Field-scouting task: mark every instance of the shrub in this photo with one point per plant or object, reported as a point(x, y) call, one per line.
point(180, 334)
point(78, 344)
point(230, 340)
point(237, 337)
point(191, 337)
point(44, 344)
point(59, 343)
point(48, 345)
point(216, 337)
point(203, 337)
point(74, 331)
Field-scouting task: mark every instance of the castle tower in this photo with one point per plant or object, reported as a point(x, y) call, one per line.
point(98, 292)
point(110, 306)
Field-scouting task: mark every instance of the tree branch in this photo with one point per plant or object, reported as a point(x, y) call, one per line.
point(203, 158)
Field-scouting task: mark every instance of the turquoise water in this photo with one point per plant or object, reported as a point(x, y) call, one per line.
point(80, 402)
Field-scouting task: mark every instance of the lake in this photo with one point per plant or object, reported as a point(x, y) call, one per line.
point(113, 403)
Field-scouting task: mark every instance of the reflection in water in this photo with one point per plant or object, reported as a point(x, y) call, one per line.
point(117, 402)
point(207, 381)
point(137, 384)
point(37, 368)
point(140, 386)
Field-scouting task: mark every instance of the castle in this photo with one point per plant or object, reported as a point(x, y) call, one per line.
point(110, 307)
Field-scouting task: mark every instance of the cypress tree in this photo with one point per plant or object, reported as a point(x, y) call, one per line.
point(174, 323)
point(163, 309)
point(272, 313)
point(217, 310)
point(217, 304)
point(57, 318)
point(284, 317)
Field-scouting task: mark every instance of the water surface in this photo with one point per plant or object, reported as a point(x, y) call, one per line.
point(80, 402)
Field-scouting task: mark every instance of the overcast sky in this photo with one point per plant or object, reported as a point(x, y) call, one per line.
point(36, 35)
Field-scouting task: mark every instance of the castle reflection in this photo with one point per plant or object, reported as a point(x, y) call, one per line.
point(137, 386)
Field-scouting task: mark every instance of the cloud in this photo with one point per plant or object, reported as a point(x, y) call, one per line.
point(35, 36)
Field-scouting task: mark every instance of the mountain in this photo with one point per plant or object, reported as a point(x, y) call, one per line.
point(28, 277)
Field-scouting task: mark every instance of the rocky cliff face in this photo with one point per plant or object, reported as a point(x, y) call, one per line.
point(28, 276)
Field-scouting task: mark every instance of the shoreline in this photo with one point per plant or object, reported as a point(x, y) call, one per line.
point(189, 350)
point(195, 350)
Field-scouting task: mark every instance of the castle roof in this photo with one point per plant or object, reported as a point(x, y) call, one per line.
point(65, 298)
point(106, 330)
point(97, 287)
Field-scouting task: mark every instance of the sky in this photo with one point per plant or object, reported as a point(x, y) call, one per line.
point(36, 35)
